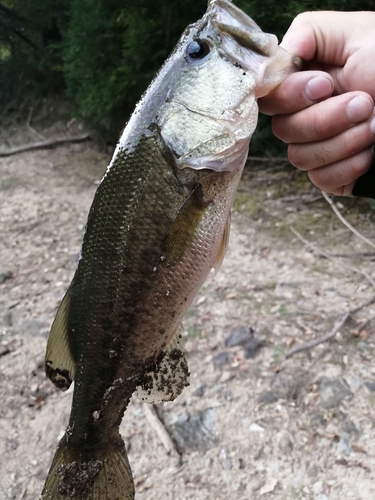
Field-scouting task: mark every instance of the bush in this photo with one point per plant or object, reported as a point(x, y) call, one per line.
point(106, 52)
point(112, 51)
point(30, 62)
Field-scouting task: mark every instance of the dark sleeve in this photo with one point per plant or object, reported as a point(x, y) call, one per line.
point(365, 185)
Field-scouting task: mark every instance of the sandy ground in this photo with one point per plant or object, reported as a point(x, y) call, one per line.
point(252, 424)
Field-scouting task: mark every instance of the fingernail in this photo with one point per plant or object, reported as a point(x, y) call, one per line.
point(359, 109)
point(318, 88)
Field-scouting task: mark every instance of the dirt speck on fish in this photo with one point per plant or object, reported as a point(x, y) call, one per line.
point(158, 224)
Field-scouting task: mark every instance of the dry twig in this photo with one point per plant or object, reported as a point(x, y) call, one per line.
point(7, 497)
point(49, 143)
point(345, 222)
point(158, 426)
point(22, 493)
point(267, 158)
point(32, 129)
point(326, 255)
point(331, 334)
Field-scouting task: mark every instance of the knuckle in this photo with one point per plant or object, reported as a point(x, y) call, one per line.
point(296, 157)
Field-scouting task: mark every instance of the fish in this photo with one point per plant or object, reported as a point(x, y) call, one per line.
point(158, 224)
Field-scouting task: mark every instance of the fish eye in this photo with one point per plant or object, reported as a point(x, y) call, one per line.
point(197, 50)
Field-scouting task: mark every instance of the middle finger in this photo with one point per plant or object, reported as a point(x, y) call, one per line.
point(308, 156)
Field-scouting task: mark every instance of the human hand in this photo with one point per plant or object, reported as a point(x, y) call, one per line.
point(327, 118)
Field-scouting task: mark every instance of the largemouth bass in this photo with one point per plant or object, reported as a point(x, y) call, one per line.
point(158, 224)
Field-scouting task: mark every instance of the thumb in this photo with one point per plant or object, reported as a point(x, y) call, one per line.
point(318, 35)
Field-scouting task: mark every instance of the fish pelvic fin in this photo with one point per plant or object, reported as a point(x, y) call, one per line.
point(169, 376)
point(223, 246)
point(59, 363)
point(184, 227)
point(107, 476)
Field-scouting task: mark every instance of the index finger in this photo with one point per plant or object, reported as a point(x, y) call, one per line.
point(297, 92)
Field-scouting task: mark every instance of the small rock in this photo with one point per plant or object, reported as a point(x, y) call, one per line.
point(285, 443)
point(239, 336)
point(225, 377)
point(288, 385)
point(333, 391)
point(345, 446)
point(22, 323)
point(227, 394)
point(244, 336)
point(5, 275)
point(226, 460)
point(227, 464)
point(355, 382)
point(284, 289)
point(370, 384)
point(179, 417)
point(348, 427)
point(221, 359)
point(207, 417)
point(195, 432)
point(363, 346)
point(267, 397)
point(317, 487)
point(252, 347)
point(34, 388)
point(199, 391)
point(255, 428)
point(177, 462)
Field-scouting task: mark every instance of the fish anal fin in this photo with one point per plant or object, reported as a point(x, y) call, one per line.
point(168, 378)
point(183, 229)
point(59, 364)
point(223, 245)
point(107, 475)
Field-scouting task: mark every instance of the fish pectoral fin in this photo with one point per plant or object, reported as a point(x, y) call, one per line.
point(183, 229)
point(168, 378)
point(107, 475)
point(223, 245)
point(59, 363)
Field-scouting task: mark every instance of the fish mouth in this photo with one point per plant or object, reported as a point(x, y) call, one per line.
point(244, 44)
point(233, 22)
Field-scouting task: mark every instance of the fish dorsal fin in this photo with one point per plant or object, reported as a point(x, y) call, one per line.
point(183, 229)
point(167, 379)
point(223, 246)
point(59, 364)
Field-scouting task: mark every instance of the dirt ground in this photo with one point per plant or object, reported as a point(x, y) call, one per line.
point(252, 424)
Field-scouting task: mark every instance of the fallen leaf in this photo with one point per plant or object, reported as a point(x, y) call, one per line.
point(269, 487)
point(358, 448)
point(276, 368)
point(363, 334)
point(289, 341)
point(342, 461)
point(332, 436)
point(360, 464)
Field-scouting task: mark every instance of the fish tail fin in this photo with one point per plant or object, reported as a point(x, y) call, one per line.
point(106, 477)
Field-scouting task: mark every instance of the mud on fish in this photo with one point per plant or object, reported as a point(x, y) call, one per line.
point(158, 224)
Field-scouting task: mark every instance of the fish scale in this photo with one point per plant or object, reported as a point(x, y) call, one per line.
point(158, 224)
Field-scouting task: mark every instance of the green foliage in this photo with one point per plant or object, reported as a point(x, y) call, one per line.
point(113, 50)
point(30, 31)
point(105, 52)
